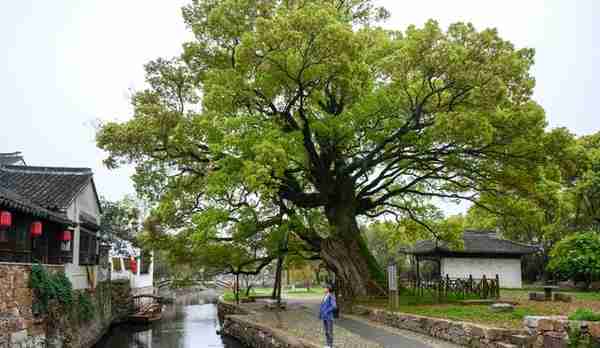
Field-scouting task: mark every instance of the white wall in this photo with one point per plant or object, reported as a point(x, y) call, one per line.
point(140, 283)
point(509, 270)
point(86, 202)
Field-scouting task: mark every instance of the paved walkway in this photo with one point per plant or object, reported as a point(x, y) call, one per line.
point(381, 335)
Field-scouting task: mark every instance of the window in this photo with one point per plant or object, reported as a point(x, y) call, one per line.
point(127, 263)
point(116, 261)
point(88, 250)
point(146, 262)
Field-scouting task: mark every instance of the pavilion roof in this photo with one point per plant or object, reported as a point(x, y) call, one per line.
point(475, 243)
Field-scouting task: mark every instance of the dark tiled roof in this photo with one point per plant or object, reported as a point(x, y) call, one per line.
point(11, 158)
point(53, 188)
point(475, 243)
point(12, 200)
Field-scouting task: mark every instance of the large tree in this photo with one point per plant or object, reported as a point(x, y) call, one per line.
point(302, 112)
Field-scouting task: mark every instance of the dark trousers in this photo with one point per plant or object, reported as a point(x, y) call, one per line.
point(328, 325)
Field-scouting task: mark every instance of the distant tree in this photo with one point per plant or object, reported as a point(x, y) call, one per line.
point(282, 107)
point(122, 218)
point(564, 199)
point(577, 257)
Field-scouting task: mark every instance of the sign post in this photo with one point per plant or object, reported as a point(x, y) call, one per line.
point(393, 285)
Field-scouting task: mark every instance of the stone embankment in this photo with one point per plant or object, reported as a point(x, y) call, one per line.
point(240, 323)
point(558, 331)
point(60, 327)
point(538, 332)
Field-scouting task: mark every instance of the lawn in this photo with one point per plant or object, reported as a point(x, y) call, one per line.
point(428, 306)
point(286, 294)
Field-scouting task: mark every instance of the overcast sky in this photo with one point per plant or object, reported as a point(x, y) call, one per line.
point(66, 63)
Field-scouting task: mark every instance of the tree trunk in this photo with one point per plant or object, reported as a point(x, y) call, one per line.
point(277, 286)
point(346, 254)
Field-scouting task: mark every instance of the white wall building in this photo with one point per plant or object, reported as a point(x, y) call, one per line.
point(141, 278)
point(483, 254)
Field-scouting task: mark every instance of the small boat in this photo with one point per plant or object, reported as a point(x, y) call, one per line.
point(143, 319)
point(147, 314)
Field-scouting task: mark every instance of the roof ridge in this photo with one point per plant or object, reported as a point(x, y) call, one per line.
point(48, 170)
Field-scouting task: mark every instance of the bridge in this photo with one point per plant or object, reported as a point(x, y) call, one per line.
point(206, 284)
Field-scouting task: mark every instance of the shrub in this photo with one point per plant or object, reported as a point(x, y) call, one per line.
point(86, 307)
point(47, 287)
point(577, 257)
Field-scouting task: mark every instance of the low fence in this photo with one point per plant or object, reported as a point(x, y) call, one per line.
point(445, 287)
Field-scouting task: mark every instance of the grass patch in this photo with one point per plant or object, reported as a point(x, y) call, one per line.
point(481, 314)
point(229, 296)
point(585, 314)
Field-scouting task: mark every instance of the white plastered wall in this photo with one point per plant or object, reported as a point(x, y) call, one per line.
point(85, 202)
point(509, 270)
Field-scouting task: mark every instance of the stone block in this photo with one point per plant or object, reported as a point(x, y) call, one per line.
point(594, 329)
point(502, 307)
point(475, 330)
point(537, 296)
point(522, 340)
point(505, 345)
point(555, 340)
point(545, 325)
point(560, 297)
point(18, 337)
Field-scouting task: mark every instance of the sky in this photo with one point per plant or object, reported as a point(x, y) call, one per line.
point(67, 63)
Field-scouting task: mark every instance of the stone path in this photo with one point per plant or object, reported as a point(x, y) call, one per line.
point(381, 335)
point(299, 322)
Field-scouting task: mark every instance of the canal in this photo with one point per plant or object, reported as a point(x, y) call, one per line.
point(190, 322)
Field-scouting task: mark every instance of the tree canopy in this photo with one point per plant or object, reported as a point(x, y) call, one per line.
point(577, 257)
point(303, 116)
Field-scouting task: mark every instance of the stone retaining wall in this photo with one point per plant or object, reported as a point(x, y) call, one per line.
point(238, 323)
point(225, 309)
point(252, 334)
point(18, 327)
point(465, 334)
point(555, 331)
point(61, 327)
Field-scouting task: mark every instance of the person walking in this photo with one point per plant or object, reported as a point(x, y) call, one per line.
point(326, 314)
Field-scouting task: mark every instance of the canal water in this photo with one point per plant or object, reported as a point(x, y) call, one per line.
point(190, 322)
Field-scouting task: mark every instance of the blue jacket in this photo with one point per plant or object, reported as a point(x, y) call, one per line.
point(328, 306)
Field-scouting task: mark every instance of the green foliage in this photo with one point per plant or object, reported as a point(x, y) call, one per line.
point(121, 218)
point(585, 314)
point(85, 307)
point(297, 119)
point(577, 257)
point(562, 200)
point(578, 340)
point(47, 287)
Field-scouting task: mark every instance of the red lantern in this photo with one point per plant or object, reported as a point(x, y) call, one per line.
point(36, 229)
point(5, 220)
point(65, 236)
point(133, 265)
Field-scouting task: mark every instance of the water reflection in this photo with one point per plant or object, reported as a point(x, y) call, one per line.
point(189, 323)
